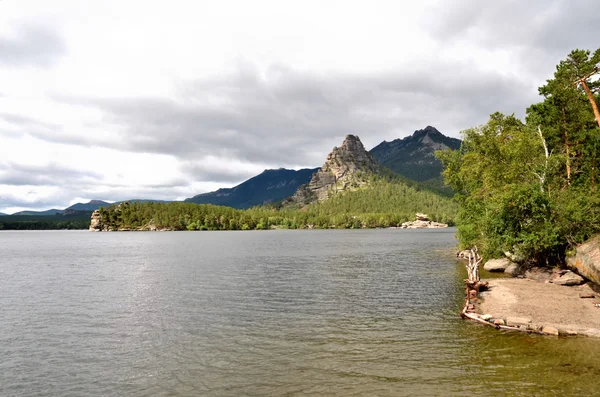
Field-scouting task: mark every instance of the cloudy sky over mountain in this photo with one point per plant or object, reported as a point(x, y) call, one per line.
point(153, 99)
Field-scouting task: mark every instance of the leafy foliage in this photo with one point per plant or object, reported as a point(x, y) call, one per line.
point(530, 188)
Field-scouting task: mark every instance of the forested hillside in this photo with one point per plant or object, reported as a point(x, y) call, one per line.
point(530, 189)
point(385, 202)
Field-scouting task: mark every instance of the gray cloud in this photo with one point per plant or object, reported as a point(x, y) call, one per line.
point(31, 45)
point(538, 33)
point(208, 172)
point(75, 183)
point(47, 175)
point(282, 118)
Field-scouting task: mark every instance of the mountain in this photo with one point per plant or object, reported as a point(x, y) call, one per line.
point(267, 187)
point(347, 167)
point(414, 156)
point(91, 206)
point(2, 214)
point(79, 208)
point(50, 212)
point(142, 201)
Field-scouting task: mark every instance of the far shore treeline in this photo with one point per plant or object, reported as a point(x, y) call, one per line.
point(531, 190)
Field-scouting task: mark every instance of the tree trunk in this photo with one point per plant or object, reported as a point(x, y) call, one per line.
point(593, 172)
point(592, 101)
point(567, 147)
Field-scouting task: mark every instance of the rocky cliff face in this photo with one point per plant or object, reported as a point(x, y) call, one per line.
point(586, 260)
point(345, 168)
point(96, 224)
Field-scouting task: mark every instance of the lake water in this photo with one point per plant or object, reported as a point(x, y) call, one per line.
point(274, 313)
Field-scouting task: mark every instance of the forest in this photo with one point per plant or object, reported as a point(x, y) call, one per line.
point(388, 201)
point(528, 189)
point(42, 222)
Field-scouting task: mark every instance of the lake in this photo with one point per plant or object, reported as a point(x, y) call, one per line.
point(273, 313)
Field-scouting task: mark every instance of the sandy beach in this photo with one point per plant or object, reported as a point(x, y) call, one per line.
point(545, 304)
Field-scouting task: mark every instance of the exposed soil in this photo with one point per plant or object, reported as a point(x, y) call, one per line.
point(544, 303)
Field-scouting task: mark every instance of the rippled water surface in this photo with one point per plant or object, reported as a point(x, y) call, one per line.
point(278, 313)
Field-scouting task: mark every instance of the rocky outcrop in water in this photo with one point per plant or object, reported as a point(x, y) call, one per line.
point(423, 222)
point(347, 167)
point(96, 224)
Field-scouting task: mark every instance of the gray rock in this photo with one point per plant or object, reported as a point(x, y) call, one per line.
point(550, 330)
point(518, 321)
point(587, 259)
point(569, 278)
point(496, 265)
point(423, 225)
point(512, 269)
point(341, 171)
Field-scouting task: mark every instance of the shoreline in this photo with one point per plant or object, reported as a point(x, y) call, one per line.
point(541, 307)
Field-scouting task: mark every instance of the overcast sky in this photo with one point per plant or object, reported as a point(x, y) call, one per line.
point(167, 99)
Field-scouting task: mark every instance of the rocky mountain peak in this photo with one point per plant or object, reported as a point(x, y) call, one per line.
point(414, 155)
point(346, 167)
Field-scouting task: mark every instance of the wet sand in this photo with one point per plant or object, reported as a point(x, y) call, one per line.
point(545, 304)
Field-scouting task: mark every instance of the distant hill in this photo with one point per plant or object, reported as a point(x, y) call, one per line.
point(414, 156)
point(143, 201)
point(91, 206)
point(2, 214)
point(79, 208)
point(50, 212)
point(267, 187)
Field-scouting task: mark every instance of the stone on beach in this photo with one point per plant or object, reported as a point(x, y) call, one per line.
point(512, 269)
point(496, 265)
point(550, 330)
point(568, 279)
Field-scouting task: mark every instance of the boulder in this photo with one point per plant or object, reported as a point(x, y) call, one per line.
point(569, 278)
point(422, 217)
point(548, 330)
point(586, 260)
point(423, 225)
point(512, 269)
point(496, 265)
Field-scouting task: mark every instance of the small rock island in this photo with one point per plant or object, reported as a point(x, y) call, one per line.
point(422, 222)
